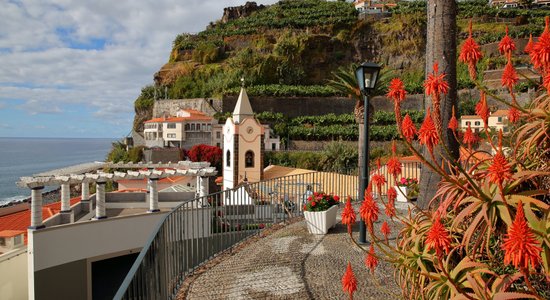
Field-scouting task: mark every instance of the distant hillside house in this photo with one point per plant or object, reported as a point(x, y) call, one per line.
point(372, 6)
point(187, 128)
point(192, 127)
point(517, 4)
point(497, 121)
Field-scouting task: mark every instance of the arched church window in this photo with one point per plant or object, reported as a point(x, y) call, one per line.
point(228, 158)
point(249, 159)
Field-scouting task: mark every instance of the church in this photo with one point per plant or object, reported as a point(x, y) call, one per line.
point(243, 145)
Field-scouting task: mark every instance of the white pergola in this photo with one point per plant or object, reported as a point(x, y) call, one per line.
point(94, 172)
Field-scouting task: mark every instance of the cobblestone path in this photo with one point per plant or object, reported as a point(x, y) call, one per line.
point(293, 264)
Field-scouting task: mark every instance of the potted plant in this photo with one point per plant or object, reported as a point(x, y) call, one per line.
point(407, 189)
point(320, 212)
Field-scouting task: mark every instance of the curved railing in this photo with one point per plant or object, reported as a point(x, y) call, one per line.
point(199, 229)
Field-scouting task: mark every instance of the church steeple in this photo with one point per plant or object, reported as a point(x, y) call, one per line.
point(243, 109)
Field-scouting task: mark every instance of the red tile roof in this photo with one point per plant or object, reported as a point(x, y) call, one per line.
point(10, 233)
point(21, 220)
point(499, 113)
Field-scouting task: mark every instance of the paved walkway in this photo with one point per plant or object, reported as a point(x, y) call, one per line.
point(293, 264)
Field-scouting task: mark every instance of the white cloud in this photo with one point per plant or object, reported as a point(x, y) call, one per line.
point(42, 68)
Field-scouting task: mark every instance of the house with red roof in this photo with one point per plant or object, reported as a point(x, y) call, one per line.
point(189, 127)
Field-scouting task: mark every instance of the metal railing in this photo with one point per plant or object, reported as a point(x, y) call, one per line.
point(199, 229)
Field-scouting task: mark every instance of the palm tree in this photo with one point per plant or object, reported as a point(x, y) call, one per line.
point(345, 83)
point(440, 47)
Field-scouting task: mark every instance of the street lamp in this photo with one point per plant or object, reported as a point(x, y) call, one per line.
point(367, 76)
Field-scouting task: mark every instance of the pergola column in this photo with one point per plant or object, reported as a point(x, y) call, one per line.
point(65, 197)
point(202, 186)
point(153, 195)
point(36, 208)
point(85, 192)
point(100, 201)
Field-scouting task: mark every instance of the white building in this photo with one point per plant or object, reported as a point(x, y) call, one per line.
point(187, 128)
point(497, 121)
point(192, 127)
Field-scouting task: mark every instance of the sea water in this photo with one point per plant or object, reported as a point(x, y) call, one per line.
point(27, 156)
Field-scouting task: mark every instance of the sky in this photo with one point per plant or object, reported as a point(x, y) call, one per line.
point(74, 68)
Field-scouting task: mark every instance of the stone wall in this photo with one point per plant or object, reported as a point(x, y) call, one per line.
point(294, 106)
point(171, 106)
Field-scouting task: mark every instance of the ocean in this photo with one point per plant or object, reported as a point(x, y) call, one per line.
point(27, 156)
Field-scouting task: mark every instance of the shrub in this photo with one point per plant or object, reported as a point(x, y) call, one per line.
point(486, 232)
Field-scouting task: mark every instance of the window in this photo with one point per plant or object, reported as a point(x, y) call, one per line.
point(218, 134)
point(171, 135)
point(249, 159)
point(17, 240)
point(468, 123)
point(477, 123)
point(273, 146)
point(500, 119)
point(228, 158)
point(193, 127)
point(2, 241)
point(186, 127)
point(218, 145)
point(171, 125)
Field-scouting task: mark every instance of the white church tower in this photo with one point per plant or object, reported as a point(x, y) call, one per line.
point(243, 145)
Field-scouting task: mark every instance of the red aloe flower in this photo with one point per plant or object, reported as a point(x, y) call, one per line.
point(427, 133)
point(371, 261)
point(392, 194)
point(500, 169)
point(369, 209)
point(408, 129)
point(396, 90)
point(349, 282)
point(530, 44)
point(509, 76)
point(520, 245)
point(482, 109)
point(469, 137)
point(506, 45)
point(385, 229)
point(453, 122)
point(435, 84)
point(540, 53)
point(470, 53)
point(394, 166)
point(348, 214)
point(438, 237)
point(390, 209)
point(378, 180)
point(513, 114)
point(397, 93)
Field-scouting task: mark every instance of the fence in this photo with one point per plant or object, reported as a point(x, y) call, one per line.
point(199, 229)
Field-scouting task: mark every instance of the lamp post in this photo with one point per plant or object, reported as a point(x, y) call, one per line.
point(367, 76)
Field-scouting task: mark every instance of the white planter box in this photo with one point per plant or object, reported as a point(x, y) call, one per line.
point(318, 222)
point(401, 193)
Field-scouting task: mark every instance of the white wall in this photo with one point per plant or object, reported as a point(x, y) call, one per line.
point(13, 275)
point(54, 246)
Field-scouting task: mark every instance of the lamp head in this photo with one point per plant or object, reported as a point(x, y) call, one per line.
point(367, 76)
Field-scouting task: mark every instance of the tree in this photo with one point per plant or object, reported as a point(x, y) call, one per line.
point(440, 48)
point(202, 152)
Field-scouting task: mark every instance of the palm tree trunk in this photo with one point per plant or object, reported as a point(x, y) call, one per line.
point(440, 47)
